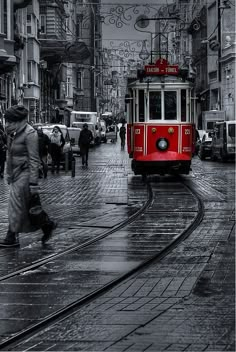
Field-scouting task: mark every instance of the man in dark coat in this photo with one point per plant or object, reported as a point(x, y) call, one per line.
point(22, 176)
point(85, 139)
point(44, 144)
point(122, 135)
point(3, 149)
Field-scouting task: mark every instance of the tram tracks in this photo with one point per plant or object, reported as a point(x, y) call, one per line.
point(131, 225)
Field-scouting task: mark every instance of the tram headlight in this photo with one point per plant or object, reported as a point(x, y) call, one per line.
point(162, 144)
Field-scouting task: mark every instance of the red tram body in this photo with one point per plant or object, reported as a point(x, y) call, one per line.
point(160, 129)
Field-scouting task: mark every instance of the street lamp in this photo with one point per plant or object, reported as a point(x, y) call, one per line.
point(144, 54)
point(143, 22)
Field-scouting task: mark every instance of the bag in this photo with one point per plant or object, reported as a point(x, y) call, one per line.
point(38, 217)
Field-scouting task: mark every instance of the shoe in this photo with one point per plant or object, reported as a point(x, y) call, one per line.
point(47, 230)
point(11, 240)
point(9, 244)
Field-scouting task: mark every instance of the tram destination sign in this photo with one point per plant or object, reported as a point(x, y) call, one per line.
point(161, 67)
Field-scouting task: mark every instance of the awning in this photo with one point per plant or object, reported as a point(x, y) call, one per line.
point(57, 51)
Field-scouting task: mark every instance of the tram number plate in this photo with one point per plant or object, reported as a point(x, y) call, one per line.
point(137, 131)
point(187, 131)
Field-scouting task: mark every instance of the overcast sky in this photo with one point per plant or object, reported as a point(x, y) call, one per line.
point(126, 22)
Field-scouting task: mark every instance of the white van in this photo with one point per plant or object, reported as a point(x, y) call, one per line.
point(83, 116)
point(74, 139)
point(223, 143)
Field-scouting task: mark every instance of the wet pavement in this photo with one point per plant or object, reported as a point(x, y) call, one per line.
point(184, 303)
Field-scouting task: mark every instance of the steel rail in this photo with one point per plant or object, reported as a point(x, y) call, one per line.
point(70, 309)
point(73, 248)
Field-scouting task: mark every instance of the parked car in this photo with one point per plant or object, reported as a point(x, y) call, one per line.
point(223, 142)
point(111, 133)
point(205, 146)
point(199, 135)
point(47, 129)
point(74, 139)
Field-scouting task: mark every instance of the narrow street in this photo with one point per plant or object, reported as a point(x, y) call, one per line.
point(183, 302)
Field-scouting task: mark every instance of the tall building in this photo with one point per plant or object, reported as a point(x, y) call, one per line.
point(212, 32)
point(88, 94)
point(12, 43)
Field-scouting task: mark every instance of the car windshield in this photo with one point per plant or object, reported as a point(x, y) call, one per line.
point(78, 125)
point(231, 128)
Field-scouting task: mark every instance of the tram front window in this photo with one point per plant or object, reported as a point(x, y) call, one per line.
point(155, 105)
point(170, 99)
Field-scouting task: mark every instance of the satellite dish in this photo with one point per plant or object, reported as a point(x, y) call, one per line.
point(142, 21)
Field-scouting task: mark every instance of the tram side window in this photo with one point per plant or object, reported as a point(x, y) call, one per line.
point(141, 105)
point(170, 100)
point(183, 105)
point(155, 105)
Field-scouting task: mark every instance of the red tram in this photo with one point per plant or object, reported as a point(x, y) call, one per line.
point(160, 126)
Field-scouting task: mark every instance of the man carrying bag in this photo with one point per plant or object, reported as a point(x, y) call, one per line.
point(23, 164)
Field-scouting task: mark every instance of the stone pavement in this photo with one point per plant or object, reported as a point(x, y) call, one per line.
point(184, 303)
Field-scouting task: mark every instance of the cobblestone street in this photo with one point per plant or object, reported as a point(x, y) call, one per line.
point(186, 302)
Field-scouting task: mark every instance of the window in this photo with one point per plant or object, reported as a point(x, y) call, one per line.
point(155, 105)
point(5, 17)
point(68, 86)
point(42, 24)
point(141, 105)
point(183, 105)
point(170, 99)
point(79, 20)
point(29, 24)
point(30, 71)
point(79, 84)
point(32, 67)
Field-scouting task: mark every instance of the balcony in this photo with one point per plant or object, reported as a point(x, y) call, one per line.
point(57, 51)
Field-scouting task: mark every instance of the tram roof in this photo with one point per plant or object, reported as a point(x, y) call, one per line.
point(168, 81)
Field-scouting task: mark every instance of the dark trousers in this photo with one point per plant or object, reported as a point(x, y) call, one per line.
point(2, 162)
point(84, 150)
point(122, 142)
point(55, 152)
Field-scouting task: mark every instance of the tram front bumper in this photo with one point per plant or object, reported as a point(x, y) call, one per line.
point(162, 163)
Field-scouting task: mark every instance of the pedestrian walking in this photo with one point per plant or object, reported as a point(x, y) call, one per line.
point(85, 139)
point(57, 142)
point(44, 146)
point(3, 150)
point(122, 135)
point(22, 176)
